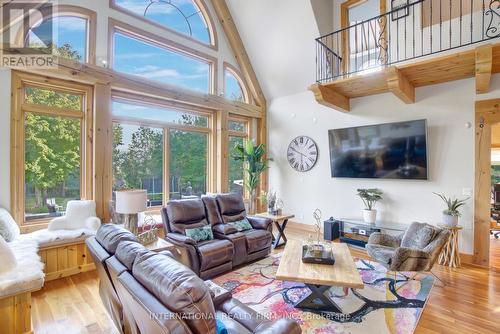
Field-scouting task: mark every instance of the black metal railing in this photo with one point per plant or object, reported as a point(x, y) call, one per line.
point(421, 28)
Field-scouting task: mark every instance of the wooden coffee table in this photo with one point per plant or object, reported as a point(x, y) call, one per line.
point(319, 277)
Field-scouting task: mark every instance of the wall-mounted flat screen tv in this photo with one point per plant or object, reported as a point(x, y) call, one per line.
point(388, 151)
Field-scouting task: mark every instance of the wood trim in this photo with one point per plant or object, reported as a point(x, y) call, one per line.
point(19, 80)
point(69, 10)
point(487, 113)
point(330, 98)
point(237, 75)
point(400, 86)
point(212, 31)
point(147, 37)
point(222, 151)
point(484, 66)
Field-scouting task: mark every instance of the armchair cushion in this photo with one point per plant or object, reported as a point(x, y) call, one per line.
point(259, 223)
point(383, 239)
point(231, 207)
point(184, 214)
point(380, 253)
point(418, 235)
point(201, 233)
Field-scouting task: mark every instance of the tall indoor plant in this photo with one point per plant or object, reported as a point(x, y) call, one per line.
point(451, 213)
point(370, 197)
point(255, 164)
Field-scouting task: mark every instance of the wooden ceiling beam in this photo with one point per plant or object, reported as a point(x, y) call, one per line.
point(400, 86)
point(328, 97)
point(484, 66)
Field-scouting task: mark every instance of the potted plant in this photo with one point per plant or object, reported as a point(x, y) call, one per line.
point(253, 157)
point(451, 214)
point(370, 197)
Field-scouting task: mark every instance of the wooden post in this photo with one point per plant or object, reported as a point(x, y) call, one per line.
point(222, 151)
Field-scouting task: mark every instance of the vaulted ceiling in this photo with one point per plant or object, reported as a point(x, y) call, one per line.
point(279, 36)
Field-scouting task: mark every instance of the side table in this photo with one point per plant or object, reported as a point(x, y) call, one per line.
point(450, 255)
point(279, 222)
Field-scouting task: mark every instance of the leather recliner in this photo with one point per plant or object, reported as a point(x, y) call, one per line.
point(101, 247)
point(207, 258)
point(164, 296)
point(249, 245)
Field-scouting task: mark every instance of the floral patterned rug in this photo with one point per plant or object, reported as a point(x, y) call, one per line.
point(386, 304)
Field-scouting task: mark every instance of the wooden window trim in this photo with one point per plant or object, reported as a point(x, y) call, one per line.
point(71, 11)
point(237, 74)
point(17, 158)
point(115, 26)
point(166, 127)
point(212, 31)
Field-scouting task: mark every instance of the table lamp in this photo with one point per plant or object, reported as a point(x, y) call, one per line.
point(131, 203)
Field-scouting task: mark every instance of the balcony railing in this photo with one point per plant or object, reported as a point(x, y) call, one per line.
point(422, 28)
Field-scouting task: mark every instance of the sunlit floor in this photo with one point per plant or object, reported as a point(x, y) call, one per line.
point(469, 303)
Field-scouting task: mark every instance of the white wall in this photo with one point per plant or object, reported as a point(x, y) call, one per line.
point(5, 138)
point(447, 108)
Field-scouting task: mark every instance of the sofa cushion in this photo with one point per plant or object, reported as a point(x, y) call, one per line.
point(110, 236)
point(257, 240)
point(211, 209)
point(185, 213)
point(178, 288)
point(231, 207)
point(418, 235)
point(8, 227)
point(214, 253)
point(201, 233)
point(128, 251)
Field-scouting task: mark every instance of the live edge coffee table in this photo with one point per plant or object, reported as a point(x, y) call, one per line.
point(319, 278)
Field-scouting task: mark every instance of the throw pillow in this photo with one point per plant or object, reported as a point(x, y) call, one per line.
point(242, 225)
point(200, 233)
point(7, 257)
point(8, 227)
point(220, 327)
point(418, 235)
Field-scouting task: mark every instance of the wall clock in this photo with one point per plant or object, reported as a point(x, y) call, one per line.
point(302, 153)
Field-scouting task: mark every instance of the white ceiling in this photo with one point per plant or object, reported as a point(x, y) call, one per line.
point(279, 37)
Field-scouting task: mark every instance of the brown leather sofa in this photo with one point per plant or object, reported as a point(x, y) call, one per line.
point(164, 296)
point(101, 248)
point(229, 247)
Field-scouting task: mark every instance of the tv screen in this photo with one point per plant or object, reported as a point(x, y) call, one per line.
point(389, 151)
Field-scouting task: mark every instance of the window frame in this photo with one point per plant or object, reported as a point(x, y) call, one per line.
point(126, 97)
point(237, 75)
point(212, 31)
point(146, 37)
point(20, 81)
point(246, 135)
point(69, 11)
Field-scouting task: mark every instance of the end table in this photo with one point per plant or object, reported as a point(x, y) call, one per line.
point(279, 222)
point(450, 255)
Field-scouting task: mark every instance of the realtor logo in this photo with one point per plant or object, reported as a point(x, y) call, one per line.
point(25, 42)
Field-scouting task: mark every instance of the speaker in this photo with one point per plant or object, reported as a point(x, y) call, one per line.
point(331, 229)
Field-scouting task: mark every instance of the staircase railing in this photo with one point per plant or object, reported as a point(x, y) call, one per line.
point(421, 28)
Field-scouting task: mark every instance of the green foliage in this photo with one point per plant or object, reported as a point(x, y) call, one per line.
point(236, 168)
point(370, 197)
point(453, 204)
point(255, 164)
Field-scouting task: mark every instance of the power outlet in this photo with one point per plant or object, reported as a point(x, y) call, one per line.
point(467, 192)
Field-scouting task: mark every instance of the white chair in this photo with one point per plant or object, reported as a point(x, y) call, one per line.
point(79, 215)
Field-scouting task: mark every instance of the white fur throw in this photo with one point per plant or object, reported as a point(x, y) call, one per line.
point(45, 237)
point(7, 259)
point(8, 227)
point(79, 215)
point(28, 275)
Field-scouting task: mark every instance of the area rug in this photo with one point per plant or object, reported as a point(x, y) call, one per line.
point(386, 304)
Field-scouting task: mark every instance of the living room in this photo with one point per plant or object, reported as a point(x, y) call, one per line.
point(319, 166)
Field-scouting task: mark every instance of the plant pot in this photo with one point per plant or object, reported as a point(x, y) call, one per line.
point(450, 221)
point(370, 216)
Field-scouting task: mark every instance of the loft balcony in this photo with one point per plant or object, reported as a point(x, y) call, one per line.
point(423, 43)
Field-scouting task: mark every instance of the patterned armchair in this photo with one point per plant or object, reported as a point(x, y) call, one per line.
point(415, 250)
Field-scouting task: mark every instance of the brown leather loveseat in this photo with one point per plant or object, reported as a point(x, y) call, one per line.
point(229, 247)
point(164, 296)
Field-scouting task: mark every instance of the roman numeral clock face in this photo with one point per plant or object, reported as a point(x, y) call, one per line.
point(302, 153)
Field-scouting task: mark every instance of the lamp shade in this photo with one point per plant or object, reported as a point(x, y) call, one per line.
point(131, 201)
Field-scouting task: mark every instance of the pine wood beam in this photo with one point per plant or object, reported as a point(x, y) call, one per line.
point(484, 65)
point(222, 151)
point(234, 39)
point(400, 86)
point(328, 97)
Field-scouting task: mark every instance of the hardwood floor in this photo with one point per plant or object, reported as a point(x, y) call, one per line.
point(469, 303)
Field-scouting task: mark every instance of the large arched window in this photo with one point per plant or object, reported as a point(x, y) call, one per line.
point(74, 32)
point(234, 87)
point(188, 17)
